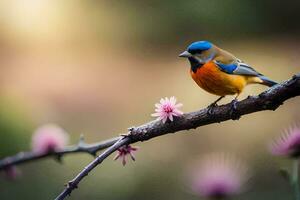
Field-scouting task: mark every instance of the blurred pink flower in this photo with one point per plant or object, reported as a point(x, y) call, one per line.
point(125, 151)
point(288, 144)
point(219, 176)
point(166, 109)
point(12, 172)
point(49, 137)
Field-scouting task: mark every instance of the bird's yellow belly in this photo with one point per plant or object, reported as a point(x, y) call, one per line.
point(214, 81)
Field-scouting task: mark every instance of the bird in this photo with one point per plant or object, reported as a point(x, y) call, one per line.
point(219, 72)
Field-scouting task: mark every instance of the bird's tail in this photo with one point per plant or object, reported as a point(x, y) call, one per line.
point(266, 81)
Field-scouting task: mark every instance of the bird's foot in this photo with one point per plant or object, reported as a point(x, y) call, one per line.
point(233, 110)
point(211, 108)
point(213, 105)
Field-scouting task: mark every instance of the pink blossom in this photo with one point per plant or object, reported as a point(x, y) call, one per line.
point(288, 144)
point(125, 151)
point(49, 137)
point(167, 109)
point(219, 176)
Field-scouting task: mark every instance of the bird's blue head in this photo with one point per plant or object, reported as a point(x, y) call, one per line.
point(198, 53)
point(198, 47)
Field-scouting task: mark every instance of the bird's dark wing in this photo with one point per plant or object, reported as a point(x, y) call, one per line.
point(237, 67)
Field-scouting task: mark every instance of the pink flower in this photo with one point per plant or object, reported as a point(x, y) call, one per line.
point(125, 151)
point(49, 137)
point(12, 172)
point(288, 144)
point(219, 176)
point(167, 109)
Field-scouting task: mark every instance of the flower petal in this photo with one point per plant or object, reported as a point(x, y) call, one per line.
point(177, 112)
point(164, 119)
point(155, 114)
point(157, 105)
point(178, 105)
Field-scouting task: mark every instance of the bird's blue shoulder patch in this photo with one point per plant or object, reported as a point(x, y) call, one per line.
point(228, 68)
point(199, 46)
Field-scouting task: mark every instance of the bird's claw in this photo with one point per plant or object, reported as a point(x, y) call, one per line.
point(233, 110)
point(213, 105)
point(211, 108)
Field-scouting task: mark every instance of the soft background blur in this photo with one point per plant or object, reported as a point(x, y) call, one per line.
point(98, 67)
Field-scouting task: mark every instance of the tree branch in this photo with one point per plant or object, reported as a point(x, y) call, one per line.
point(74, 183)
point(81, 147)
point(271, 99)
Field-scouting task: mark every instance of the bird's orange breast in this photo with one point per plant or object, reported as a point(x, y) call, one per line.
point(210, 78)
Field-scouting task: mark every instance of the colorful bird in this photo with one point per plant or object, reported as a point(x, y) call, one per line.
point(219, 72)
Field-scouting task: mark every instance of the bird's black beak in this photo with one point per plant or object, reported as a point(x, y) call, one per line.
point(185, 54)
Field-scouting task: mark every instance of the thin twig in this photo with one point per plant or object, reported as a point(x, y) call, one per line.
point(74, 183)
point(271, 99)
point(81, 147)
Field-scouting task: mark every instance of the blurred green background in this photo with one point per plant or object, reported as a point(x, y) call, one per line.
point(98, 67)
